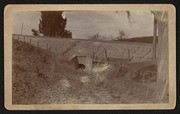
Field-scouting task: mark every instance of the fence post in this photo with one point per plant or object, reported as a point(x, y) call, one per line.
point(93, 60)
point(17, 38)
point(24, 38)
point(129, 54)
point(30, 41)
point(106, 57)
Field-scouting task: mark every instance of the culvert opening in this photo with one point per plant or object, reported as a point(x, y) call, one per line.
point(81, 66)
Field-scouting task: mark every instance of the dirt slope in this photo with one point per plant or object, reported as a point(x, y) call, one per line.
point(39, 79)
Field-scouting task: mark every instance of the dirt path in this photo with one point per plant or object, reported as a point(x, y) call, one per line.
point(64, 92)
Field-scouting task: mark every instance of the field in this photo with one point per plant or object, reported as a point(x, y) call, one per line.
point(39, 77)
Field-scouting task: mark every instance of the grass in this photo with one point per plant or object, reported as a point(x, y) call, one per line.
point(41, 77)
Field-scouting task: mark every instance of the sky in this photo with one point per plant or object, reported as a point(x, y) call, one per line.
point(86, 23)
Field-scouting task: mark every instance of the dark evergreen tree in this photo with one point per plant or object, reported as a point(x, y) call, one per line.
point(53, 24)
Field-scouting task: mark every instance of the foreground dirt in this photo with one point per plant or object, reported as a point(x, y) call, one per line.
point(38, 80)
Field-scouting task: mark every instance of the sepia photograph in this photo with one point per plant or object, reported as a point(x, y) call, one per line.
point(82, 57)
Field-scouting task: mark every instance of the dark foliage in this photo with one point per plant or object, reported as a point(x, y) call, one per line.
point(52, 24)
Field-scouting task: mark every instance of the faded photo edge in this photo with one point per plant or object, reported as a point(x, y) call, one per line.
point(8, 11)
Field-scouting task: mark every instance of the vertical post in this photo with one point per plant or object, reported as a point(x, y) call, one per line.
point(30, 41)
point(22, 28)
point(18, 38)
point(106, 57)
point(24, 38)
point(93, 59)
point(129, 54)
point(154, 38)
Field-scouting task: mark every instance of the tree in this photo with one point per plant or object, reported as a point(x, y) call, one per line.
point(53, 24)
point(160, 28)
point(162, 57)
point(67, 34)
point(154, 38)
point(95, 37)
